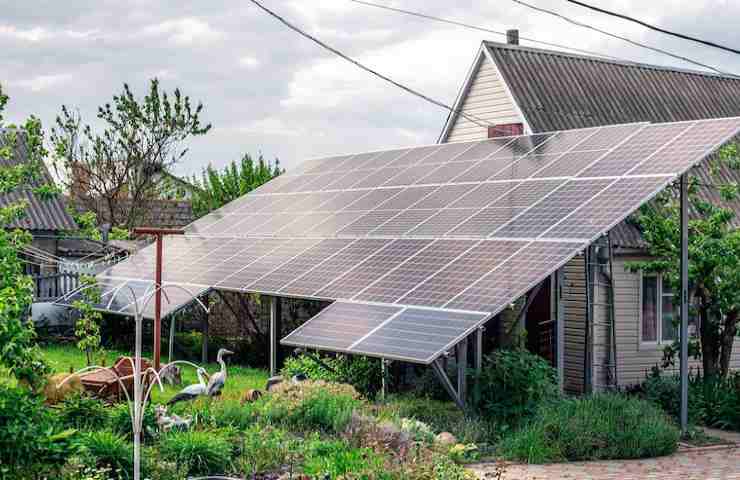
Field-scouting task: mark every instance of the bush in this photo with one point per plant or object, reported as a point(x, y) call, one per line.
point(606, 426)
point(712, 401)
point(310, 405)
point(119, 420)
point(108, 449)
point(363, 373)
point(31, 440)
point(83, 412)
point(198, 452)
point(334, 458)
point(513, 384)
point(263, 449)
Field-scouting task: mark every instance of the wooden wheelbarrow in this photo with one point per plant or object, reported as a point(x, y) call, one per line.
point(105, 384)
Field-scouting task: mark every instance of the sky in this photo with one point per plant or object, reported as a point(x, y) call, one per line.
point(266, 89)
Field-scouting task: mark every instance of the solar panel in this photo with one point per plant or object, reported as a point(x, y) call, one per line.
point(432, 234)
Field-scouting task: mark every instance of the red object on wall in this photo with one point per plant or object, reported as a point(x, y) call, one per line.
point(505, 130)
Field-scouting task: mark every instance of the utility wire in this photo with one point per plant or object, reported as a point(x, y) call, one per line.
point(653, 27)
point(619, 37)
point(481, 29)
point(478, 121)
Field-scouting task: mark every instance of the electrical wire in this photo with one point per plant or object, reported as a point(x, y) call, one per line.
point(653, 27)
point(620, 37)
point(483, 29)
point(472, 118)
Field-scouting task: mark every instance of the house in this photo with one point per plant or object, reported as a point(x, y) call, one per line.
point(44, 219)
point(519, 89)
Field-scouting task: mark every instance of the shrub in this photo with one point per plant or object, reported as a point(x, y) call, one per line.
point(230, 413)
point(199, 452)
point(155, 468)
point(713, 402)
point(263, 449)
point(605, 426)
point(31, 441)
point(513, 384)
point(363, 373)
point(335, 458)
point(119, 420)
point(108, 449)
point(83, 412)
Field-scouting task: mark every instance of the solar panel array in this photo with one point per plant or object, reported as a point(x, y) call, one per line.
point(449, 230)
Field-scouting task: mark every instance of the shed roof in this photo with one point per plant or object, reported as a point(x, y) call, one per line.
point(40, 214)
point(558, 91)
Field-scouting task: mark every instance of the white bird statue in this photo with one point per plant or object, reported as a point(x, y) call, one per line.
point(191, 392)
point(217, 381)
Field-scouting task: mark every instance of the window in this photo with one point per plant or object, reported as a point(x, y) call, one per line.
point(505, 130)
point(658, 315)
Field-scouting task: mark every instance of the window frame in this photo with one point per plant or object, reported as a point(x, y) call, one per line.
point(659, 340)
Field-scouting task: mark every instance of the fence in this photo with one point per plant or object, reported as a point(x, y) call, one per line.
point(52, 286)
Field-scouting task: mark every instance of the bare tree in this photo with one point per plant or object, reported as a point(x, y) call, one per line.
point(114, 171)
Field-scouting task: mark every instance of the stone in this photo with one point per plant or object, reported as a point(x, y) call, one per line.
point(445, 439)
point(55, 393)
point(298, 378)
point(251, 395)
point(272, 381)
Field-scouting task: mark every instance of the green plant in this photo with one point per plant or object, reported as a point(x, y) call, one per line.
point(154, 467)
point(335, 458)
point(446, 469)
point(231, 413)
point(264, 449)
point(323, 411)
point(87, 326)
point(363, 373)
point(108, 449)
point(199, 452)
point(604, 426)
point(514, 383)
point(83, 412)
point(119, 420)
point(31, 442)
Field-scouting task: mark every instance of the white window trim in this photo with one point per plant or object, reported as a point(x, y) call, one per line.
point(659, 342)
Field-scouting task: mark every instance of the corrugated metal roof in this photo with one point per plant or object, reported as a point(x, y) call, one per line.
point(560, 91)
point(40, 214)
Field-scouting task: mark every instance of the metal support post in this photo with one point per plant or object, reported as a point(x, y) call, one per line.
point(560, 331)
point(383, 376)
point(171, 349)
point(206, 321)
point(684, 368)
point(479, 350)
point(462, 369)
point(275, 314)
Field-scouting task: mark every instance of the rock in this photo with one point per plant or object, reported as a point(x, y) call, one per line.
point(272, 381)
point(251, 395)
point(445, 439)
point(298, 378)
point(171, 375)
point(55, 393)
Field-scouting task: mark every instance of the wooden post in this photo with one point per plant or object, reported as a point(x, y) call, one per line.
point(159, 233)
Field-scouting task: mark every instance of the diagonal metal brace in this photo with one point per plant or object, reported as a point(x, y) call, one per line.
point(446, 383)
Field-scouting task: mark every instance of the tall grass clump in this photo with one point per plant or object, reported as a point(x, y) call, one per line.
point(108, 449)
point(604, 426)
point(83, 412)
point(198, 452)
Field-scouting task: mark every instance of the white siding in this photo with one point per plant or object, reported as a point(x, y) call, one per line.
point(635, 361)
point(487, 99)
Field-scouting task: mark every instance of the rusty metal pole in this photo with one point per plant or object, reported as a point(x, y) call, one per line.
point(159, 233)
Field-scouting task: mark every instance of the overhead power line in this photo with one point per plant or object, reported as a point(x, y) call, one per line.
point(478, 121)
point(480, 29)
point(653, 27)
point(619, 37)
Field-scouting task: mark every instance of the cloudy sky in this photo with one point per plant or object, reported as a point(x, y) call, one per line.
point(267, 89)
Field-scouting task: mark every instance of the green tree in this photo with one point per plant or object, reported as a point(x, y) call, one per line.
point(714, 264)
point(114, 172)
point(87, 326)
point(18, 350)
point(216, 188)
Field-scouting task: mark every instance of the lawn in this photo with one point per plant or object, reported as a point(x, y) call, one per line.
point(66, 358)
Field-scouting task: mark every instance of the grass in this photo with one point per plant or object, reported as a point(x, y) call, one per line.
point(62, 358)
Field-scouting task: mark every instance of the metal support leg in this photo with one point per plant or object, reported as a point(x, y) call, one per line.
point(384, 375)
point(442, 375)
point(206, 320)
point(462, 370)
point(171, 349)
point(684, 338)
point(275, 313)
point(479, 350)
point(560, 331)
